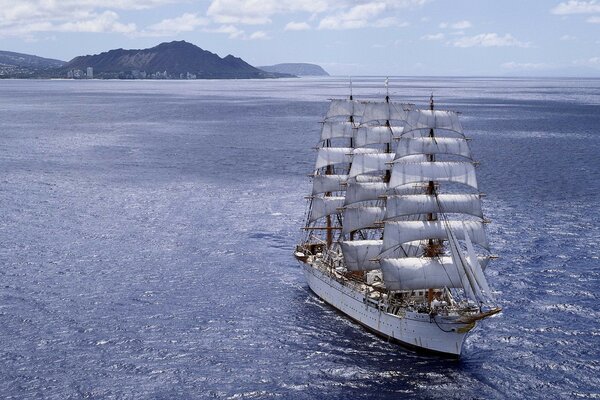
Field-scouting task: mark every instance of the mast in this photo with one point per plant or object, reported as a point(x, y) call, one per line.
point(431, 250)
point(331, 170)
point(413, 218)
point(329, 231)
point(388, 146)
point(433, 247)
point(351, 120)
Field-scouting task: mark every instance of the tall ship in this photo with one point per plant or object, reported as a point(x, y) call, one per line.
point(395, 235)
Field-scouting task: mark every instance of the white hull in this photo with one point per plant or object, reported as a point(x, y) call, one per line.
point(416, 330)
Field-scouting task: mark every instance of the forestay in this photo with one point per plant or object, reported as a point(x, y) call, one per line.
point(323, 206)
point(359, 254)
point(413, 204)
point(361, 217)
point(433, 145)
point(398, 232)
point(448, 171)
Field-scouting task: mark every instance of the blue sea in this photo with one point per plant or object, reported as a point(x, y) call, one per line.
point(147, 229)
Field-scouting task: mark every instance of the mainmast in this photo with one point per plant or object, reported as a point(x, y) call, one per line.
point(414, 218)
point(388, 146)
point(433, 247)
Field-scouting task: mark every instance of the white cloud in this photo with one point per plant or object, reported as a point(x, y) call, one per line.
point(259, 12)
point(296, 26)
point(512, 65)
point(567, 38)
point(258, 35)
point(235, 33)
point(588, 62)
point(364, 15)
point(461, 25)
point(172, 26)
point(105, 22)
point(356, 17)
point(230, 30)
point(26, 17)
point(489, 40)
point(464, 24)
point(576, 7)
point(594, 19)
point(92, 22)
point(437, 36)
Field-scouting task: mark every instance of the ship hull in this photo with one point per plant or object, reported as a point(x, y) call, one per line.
point(418, 331)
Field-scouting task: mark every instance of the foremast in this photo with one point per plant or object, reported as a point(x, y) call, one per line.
point(444, 221)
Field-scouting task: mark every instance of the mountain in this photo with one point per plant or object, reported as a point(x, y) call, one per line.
point(299, 69)
point(25, 65)
point(178, 59)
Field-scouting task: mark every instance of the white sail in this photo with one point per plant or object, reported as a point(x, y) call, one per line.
point(365, 150)
point(436, 119)
point(345, 108)
point(412, 204)
point(412, 273)
point(357, 192)
point(334, 129)
point(383, 111)
point(368, 178)
point(467, 280)
point(373, 135)
point(433, 145)
point(366, 163)
point(447, 171)
point(323, 206)
point(333, 155)
point(328, 183)
point(359, 254)
point(476, 267)
point(361, 217)
point(398, 232)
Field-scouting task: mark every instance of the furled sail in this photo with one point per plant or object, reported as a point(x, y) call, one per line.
point(432, 119)
point(333, 155)
point(370, 162)
point(413, 204)
point(328, 183)
point(447, 171)
point(323, 206)
point(398, 232)
point(335, 129)
point(433, 145)
point(364, 191)
point(359, 254)
point(361, 217)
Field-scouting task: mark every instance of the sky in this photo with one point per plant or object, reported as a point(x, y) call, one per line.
point(346, 37)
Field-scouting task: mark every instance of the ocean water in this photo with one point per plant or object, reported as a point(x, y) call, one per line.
point(147, 228)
